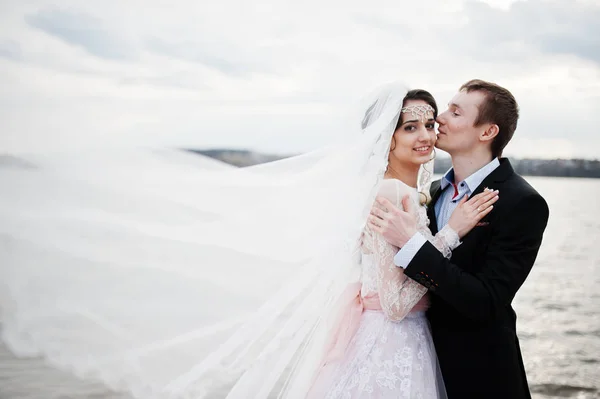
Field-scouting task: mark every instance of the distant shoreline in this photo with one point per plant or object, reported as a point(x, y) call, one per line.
point(526, 167)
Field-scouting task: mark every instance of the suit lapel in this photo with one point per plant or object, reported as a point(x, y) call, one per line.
point(499, 175)
point(471, 240)
point(494, 181)
point(435, 192)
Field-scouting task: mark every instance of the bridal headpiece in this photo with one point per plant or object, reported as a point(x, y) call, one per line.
point(420, 112)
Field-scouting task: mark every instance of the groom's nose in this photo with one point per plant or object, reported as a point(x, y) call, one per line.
point(441, 118)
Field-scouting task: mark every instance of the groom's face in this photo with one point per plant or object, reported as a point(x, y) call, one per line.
point(456, 132)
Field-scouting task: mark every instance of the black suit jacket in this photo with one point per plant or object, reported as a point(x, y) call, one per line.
point(473, 323)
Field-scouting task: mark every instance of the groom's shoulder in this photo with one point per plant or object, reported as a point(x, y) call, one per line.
point(521, 190)
point(521, 186)
point(512, 181)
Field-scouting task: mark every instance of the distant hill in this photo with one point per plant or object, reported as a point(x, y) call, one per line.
point(239, 158)
point(542, 167)
point(11, 161)
point(526, 167)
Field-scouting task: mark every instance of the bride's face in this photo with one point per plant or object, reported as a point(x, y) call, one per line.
point(414, 140)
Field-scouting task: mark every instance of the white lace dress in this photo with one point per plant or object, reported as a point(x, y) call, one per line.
point(391, 355)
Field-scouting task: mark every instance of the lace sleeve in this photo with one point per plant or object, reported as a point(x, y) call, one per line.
point(398, 294)
point(446, 240)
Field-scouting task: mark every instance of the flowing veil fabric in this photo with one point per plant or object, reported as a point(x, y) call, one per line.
point(168, 275)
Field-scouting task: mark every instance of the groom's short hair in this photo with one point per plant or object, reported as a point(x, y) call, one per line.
point(498, 107)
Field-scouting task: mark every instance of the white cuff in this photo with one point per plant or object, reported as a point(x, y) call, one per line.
point(409, 250)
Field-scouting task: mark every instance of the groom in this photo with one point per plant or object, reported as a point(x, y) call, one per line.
point(472, 320)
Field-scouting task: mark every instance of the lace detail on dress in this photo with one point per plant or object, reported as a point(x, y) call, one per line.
point(369, 275)
point(388, 360)
point(446, 240)
point(397, 293)
point(392, 355)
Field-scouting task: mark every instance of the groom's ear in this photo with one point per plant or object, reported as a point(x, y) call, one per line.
point(489, 133)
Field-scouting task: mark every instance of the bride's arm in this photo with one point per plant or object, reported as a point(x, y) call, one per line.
point(397, 293)
point(463, 219)
point(445, 241)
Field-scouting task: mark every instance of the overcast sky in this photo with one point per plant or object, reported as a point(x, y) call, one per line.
point(279, 75)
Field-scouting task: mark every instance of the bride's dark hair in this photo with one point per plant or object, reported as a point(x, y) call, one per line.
point(419, 94)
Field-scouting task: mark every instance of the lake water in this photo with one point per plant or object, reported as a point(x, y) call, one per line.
point(558, 310)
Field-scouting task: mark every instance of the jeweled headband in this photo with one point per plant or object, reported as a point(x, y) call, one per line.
point(419, 111)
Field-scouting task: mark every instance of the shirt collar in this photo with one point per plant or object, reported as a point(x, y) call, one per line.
point(475, 179)
point(447, 179)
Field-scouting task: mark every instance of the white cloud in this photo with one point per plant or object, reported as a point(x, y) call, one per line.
point(279, 75)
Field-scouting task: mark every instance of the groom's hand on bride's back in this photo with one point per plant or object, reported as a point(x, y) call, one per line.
point(396, 225)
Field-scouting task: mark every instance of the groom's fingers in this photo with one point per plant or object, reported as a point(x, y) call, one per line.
point(373, 224)
point(375, 211)
point(385, 203)
point(407, 203)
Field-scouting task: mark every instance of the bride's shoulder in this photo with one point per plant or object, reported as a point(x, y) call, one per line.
point(395, 183)
point(393, 189)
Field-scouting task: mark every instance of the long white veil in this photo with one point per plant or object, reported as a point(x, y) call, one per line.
point(168, 275)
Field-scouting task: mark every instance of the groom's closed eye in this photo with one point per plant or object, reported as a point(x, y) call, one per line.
point(454, 109)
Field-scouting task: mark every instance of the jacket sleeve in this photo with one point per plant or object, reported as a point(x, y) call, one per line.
point(510, 255)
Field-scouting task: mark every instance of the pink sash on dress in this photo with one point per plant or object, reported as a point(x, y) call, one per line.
point(348, 311)
point(347, 314)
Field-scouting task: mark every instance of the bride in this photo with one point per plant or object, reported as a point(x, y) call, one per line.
point(156, 275)
point(383, 347)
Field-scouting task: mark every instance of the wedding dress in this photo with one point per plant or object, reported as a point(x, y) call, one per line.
point(390, 353)
point(169, 277)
